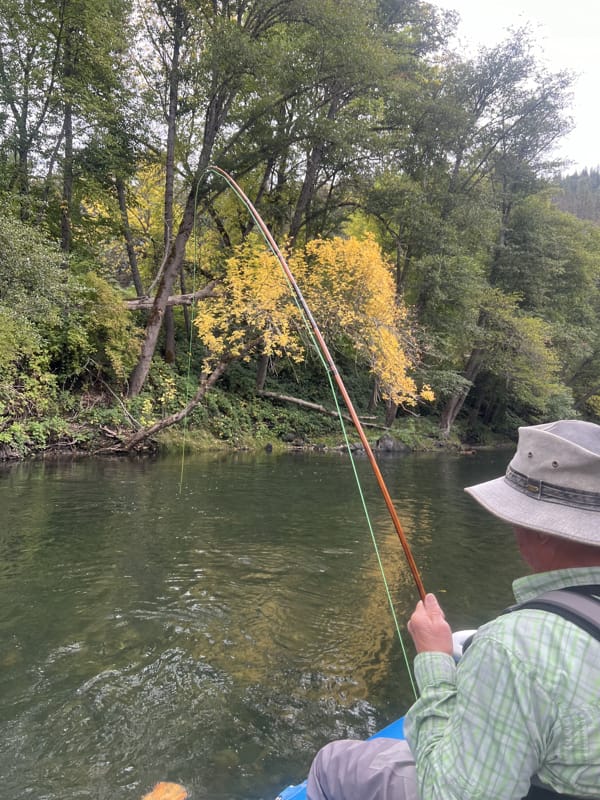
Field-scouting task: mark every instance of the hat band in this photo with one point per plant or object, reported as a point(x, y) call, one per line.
point(551, 493)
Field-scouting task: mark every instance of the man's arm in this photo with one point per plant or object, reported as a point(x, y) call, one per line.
point(474, 730)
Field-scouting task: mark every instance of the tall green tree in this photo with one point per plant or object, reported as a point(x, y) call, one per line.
point(90, 35)
point(29, 69)
point(282, 96)
point(61, 77)
point(507, 114)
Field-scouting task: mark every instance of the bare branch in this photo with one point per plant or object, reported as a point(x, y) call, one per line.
point(174, 299)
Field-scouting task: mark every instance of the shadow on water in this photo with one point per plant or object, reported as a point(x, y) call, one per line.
point(217, 633)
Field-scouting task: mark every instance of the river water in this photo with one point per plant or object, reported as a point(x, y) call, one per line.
point(214, 623)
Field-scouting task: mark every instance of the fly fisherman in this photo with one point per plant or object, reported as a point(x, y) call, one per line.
point(519, 715)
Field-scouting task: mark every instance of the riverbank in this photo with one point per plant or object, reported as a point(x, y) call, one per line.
point(229, 423)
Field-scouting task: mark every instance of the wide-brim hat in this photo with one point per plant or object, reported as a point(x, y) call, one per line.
point(552, 483)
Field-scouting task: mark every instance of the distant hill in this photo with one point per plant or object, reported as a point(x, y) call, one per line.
point(580, 194)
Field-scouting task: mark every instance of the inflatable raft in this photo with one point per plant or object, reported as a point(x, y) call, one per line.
point(393, 731)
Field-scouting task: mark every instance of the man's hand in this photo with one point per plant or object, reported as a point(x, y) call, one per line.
point(428, 627)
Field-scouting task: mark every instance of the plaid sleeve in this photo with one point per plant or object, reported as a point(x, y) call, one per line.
point(475, 730)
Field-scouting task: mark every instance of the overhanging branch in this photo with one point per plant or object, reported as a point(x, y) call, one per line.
point(174, 299)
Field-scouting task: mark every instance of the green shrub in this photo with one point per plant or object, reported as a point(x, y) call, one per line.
point(97, 338)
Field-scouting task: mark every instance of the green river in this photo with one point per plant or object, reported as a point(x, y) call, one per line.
point(214, 623)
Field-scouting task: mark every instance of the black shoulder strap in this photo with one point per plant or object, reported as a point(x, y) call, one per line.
point(578, 604)
point(542, 793)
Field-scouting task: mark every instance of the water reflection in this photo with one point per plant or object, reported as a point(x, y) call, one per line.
point(216, 633)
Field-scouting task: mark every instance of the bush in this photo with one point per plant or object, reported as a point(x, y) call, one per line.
point(97, 338)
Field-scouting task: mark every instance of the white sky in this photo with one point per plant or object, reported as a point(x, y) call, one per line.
point(569, 37)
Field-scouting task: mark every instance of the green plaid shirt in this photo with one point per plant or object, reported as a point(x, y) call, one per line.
point(524, 700)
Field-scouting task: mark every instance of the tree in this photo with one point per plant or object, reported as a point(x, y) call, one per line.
point(551, 259)
point(350, 290)
point(513, 113)
point(33, 292)
point(61, 74)
point(29, 65)
point(65, 323)
point(580, 194)
point(89, 34)
point(285, 97)
point(514, 367)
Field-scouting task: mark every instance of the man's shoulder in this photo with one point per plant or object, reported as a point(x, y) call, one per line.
point(534, 634)
point(509, 629)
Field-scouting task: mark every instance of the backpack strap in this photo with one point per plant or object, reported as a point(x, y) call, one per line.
point(577, 604)
point(537, 792)
point(581, 606)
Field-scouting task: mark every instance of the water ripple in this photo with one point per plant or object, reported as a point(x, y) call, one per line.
point(219, 636)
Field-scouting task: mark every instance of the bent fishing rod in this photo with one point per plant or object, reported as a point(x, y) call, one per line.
point(333, 370)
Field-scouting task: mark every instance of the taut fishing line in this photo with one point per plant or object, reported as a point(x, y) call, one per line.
point(190, 339)
point(332, 373)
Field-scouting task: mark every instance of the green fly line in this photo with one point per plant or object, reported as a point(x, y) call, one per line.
point(190, 339)
point(244, 200)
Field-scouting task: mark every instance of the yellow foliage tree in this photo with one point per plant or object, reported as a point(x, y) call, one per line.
point(252, 309)
point(146, 215)
point(349, 288)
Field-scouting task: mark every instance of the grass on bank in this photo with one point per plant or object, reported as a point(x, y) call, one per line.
point(224, 421)
point(231, 417)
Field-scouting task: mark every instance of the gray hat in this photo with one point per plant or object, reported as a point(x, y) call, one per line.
point(552, 483)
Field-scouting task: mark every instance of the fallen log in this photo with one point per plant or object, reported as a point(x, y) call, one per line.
point(285, 398)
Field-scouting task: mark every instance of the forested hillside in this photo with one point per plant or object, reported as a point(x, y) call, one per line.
point(580, 194)
point(411, 188)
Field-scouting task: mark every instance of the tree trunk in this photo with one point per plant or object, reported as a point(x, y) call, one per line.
point(307, 191)
point(169, 335)
point(186, 312)
point(313, 165)
point(173, 300)
point(22, 176)
point(374, 398)
point(403, 265)
point(48, 182)
point(261, 373)
point(297, 401)
point(131, 255)
point(66, 206)
point(456, 401)
point(169, 271)
point(178, 33)
point(391, 409)
point(67, 195)
point(206, 383)
point(179, 30)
